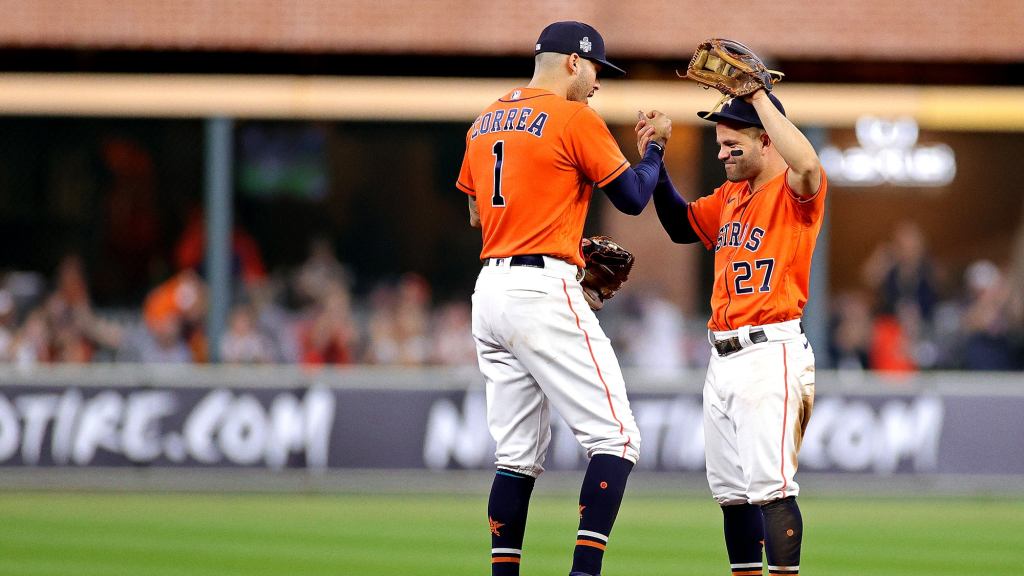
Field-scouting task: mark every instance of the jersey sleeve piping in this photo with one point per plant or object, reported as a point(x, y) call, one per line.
point(696, 226)
point(465, 188)
point(803, 199)
point(615, 173)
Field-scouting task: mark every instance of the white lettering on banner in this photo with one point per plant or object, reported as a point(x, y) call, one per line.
point(221, 428)
point(286, 428)
point(36, 412)
point(141, 430)
point(844, 434)
point(98, 426)
point(680, 441)
point(64, 426)
point(202, 423)
point(850, 435)
point(460, 438)
point(10, 430)
point(243, 435)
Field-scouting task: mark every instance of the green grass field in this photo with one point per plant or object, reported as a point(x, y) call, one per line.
point(86, 534)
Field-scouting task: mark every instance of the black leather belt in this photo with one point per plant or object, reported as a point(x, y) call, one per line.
point(532, 260)
point(727, 346)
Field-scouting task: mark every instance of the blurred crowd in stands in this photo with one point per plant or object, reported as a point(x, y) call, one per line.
point(903, 318)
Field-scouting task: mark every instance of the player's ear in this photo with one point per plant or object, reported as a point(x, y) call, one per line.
point(573, 63)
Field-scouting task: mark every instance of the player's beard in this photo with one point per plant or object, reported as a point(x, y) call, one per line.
point(579, 90)
point(744, 168)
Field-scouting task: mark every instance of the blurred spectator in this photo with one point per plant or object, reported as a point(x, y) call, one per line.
point(399, 322)
point(173, 314)
point(986, 319)
point(892, 341)
point(274, 320)
point(246, 261)
point(902, 274)
point(452, 341)
point(31, 344)
point(320, 271)
point(243, 343)
point(8, 325)
point(331, 335)
point(76, 333)
point(851, 331)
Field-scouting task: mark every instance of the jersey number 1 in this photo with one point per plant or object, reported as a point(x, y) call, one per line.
point(499, 154)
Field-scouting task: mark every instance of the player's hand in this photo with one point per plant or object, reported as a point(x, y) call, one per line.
point(644, 132)
point(759, 93)
point(652, 126)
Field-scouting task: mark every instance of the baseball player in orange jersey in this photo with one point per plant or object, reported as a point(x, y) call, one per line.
point(762, 225)
point(532, 160)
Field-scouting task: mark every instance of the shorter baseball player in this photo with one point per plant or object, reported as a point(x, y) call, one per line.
point(762, 225)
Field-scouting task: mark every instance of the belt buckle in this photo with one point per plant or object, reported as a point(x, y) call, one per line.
point(727, 346)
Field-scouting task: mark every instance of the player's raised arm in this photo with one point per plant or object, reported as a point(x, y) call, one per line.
point(631, 191)
point(672, 211)
point(669, 204)
point(804, 176)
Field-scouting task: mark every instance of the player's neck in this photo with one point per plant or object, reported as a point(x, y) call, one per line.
point(559, 86)
point(772, 168)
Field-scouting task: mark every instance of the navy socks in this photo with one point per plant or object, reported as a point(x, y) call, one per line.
point(600, 497)
point(506, 514)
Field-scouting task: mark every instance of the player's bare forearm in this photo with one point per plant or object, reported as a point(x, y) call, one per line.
point(793, 146)
point(474, 213)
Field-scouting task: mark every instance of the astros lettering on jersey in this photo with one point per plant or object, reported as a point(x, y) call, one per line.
point(533, 146)
point(763, 241)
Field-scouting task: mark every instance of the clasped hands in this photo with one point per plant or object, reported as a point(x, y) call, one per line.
point(652, 126)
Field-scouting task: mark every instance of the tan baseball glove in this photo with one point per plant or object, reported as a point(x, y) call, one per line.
point(731, 68)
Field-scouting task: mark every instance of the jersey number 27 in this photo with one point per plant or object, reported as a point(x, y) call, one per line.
point(745, 272)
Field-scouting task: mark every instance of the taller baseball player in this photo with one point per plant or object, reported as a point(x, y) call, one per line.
point(532, 160)
point(762, 225)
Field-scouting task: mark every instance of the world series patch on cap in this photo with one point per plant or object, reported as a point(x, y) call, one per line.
point(571, 37)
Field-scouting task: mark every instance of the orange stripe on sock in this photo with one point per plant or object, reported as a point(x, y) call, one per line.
point(500, 559)
point(597, 545)
point(747, 573)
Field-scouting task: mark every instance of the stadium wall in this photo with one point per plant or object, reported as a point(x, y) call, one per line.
point(872, 29)
point(143, 421)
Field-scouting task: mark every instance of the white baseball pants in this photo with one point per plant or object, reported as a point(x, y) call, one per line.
point(540, 347)
point(756, 403)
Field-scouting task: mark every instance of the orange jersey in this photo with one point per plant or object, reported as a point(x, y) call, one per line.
point(532, 160)
point(763, 242)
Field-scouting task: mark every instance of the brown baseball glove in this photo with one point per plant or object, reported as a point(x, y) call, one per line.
point(731, 68)
point(607, 267)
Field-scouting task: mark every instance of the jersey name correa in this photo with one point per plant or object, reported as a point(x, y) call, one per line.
point(763, 242)
point(532, 160)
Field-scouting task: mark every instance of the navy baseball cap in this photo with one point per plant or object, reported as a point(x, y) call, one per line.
point(579, 38)
point(739, 111)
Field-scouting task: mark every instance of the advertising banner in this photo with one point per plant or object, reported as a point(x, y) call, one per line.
point(320, 427)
